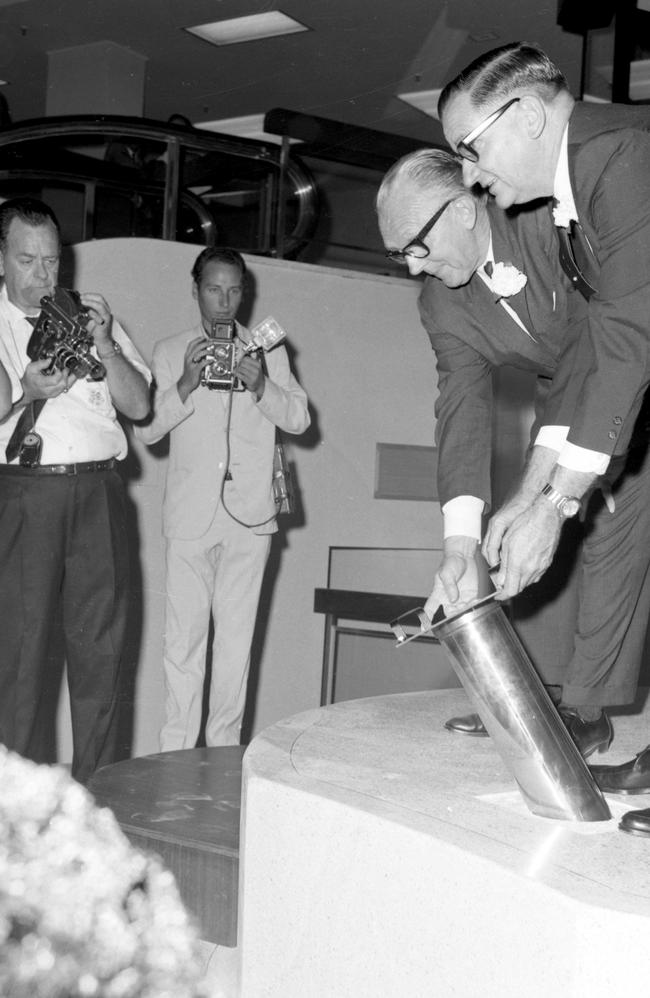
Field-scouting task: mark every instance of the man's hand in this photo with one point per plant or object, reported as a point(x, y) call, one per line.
point(100, 320)
point(539, 467)
point(502, 520)
point(456, 582)
point(37, 385)
point(250, 371)
point(527, 548)
point(193, 364)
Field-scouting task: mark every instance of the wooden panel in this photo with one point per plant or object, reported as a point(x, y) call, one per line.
point(406, 471)
point(184, 806)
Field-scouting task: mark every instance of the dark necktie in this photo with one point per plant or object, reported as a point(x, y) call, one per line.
point(576, 258)
point(26, 421)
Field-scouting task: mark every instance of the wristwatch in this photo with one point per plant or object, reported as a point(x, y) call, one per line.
point(566, 505)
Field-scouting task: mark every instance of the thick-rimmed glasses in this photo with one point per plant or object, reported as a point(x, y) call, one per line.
point(465, 147)
point(417, 249)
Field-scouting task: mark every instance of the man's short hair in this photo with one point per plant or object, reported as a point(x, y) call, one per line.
point(28, 210)
point(429, 170)
point(500, 72)
point(222, 254)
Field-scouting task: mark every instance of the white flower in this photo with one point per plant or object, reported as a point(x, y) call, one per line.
point(507, 280)
point(81, 911)
point(562, 214)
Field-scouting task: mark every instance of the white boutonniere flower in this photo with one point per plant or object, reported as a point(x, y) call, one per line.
point(562, 215)
point(507, 280)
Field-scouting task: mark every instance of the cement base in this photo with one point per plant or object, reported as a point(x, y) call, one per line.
point(381, 855)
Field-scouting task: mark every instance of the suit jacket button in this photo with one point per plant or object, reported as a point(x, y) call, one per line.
point(617, 421)
point(611, 435)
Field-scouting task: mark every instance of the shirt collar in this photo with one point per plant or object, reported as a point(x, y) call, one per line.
point(562, 193)
point(15, 313)
point(489, 258)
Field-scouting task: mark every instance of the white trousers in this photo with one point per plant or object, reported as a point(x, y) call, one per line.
point(221, 573)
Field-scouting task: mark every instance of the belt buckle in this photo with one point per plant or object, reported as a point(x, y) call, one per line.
point(70, 470)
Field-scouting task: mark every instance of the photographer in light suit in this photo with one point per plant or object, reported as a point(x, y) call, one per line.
point(218, 512)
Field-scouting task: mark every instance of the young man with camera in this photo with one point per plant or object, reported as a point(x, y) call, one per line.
point(220, 402)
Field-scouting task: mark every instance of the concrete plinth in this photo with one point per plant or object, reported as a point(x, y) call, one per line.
point(382, 855)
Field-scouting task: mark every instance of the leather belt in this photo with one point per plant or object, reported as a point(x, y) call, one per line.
point(58, 469)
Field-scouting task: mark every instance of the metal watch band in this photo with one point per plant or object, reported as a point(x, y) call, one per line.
point(566, 505)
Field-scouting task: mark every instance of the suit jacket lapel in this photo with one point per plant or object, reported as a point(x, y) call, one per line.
point(507, 253)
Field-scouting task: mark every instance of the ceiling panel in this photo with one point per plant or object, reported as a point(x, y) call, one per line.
point(350, 66)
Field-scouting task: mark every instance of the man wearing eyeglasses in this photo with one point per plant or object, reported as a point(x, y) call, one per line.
point(522, 136)
point(458, 239)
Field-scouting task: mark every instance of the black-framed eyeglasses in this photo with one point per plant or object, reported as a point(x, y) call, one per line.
point(465, 147)
point(417, 248)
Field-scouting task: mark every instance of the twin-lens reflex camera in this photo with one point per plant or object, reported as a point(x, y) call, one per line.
point(218, 373)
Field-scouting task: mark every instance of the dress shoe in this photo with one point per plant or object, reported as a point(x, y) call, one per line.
point(636, 822)
point(588, 735)
point(631, 777)
point(470, 724)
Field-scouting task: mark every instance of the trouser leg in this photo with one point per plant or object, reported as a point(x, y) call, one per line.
point(95, 603)
point(191, 569)
point(242, 560)
point(614, 591)
point(545, 615)
point(32, 540)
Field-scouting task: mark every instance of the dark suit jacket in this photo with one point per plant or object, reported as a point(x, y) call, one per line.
point(609, 166)
point(471, 333)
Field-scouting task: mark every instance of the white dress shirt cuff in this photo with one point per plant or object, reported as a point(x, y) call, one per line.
point(580, 459)
point(462, 517)
point(569, 455)
point(553, 437)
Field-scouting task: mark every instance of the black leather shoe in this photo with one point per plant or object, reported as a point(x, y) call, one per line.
point(588, 735)
point(470, 724)
point(631, 777)
point(636, 822)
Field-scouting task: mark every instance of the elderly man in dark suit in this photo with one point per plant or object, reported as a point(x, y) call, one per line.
point(495, 295)
point(522, 136)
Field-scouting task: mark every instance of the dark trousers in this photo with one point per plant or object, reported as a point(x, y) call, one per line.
point(584, 624)
point(63, 548)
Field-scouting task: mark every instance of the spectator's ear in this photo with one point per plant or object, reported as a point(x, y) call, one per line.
point(465, 210)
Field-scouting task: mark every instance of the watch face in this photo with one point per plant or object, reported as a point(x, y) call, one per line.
point(570, 507)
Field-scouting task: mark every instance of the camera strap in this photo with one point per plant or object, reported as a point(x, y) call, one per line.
point(26, 421)
point(281, 483)
point(23, 428)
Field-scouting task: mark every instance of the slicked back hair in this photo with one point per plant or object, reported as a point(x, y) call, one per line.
point(31, 211)
point(502, 71)
point(222, 254)
point(430, 170)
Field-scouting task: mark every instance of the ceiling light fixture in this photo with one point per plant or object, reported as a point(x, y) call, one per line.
point(246, 29)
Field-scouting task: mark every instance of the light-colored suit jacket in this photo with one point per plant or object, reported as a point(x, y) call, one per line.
point(206, 439)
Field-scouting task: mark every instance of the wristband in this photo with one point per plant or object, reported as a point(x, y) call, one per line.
point(115, 352)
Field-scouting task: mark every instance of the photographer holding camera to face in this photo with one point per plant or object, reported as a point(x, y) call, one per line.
point(63, 527)
point(220, 400)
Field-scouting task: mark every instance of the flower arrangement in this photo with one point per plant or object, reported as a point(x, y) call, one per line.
point(507, 280)
point(82, 913)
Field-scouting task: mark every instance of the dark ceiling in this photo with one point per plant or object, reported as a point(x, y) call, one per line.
point(357, 55)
